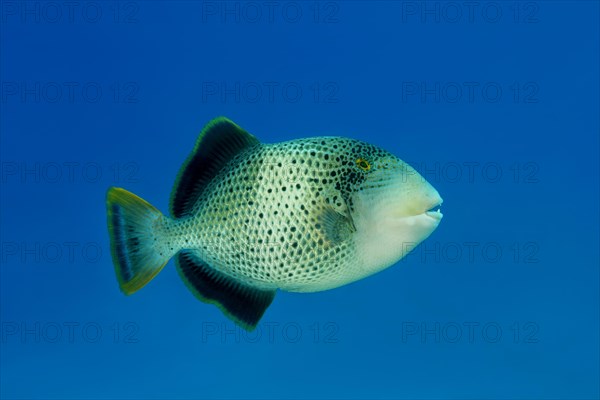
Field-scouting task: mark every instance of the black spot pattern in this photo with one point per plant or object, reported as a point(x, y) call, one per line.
point(259, 221)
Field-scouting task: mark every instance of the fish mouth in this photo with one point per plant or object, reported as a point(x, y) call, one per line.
point(435, 214)
point(434, 211)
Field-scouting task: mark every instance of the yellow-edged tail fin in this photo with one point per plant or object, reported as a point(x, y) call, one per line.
point(133, 240)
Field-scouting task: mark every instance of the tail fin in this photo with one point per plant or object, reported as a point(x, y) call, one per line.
point(131, 223)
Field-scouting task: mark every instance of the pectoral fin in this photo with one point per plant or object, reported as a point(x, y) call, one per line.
point(335, 227)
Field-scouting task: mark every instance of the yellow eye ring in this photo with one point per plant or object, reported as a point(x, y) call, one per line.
point(363, 164)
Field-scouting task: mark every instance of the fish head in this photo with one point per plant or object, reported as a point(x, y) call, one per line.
point(393, 209)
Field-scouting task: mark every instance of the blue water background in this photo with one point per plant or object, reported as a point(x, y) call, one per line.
point(367, 70)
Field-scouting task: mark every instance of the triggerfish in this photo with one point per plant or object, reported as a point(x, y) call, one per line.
point(248, 218)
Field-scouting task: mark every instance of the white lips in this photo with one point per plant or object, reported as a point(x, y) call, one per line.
point(437, 214)
point(435, 211)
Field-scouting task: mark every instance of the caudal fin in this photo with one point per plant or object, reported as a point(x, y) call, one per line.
point(133, 240)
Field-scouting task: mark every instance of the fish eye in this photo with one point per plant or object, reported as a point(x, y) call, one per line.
point(363, 164)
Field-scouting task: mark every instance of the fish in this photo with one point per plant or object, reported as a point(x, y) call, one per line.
point(249, 218)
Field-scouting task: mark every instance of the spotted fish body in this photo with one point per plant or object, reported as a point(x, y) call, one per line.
point(250, 218)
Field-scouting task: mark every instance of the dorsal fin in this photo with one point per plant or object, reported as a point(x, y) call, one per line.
point(218, 143)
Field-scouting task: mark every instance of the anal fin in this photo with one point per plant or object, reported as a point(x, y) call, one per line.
point(244, 304)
